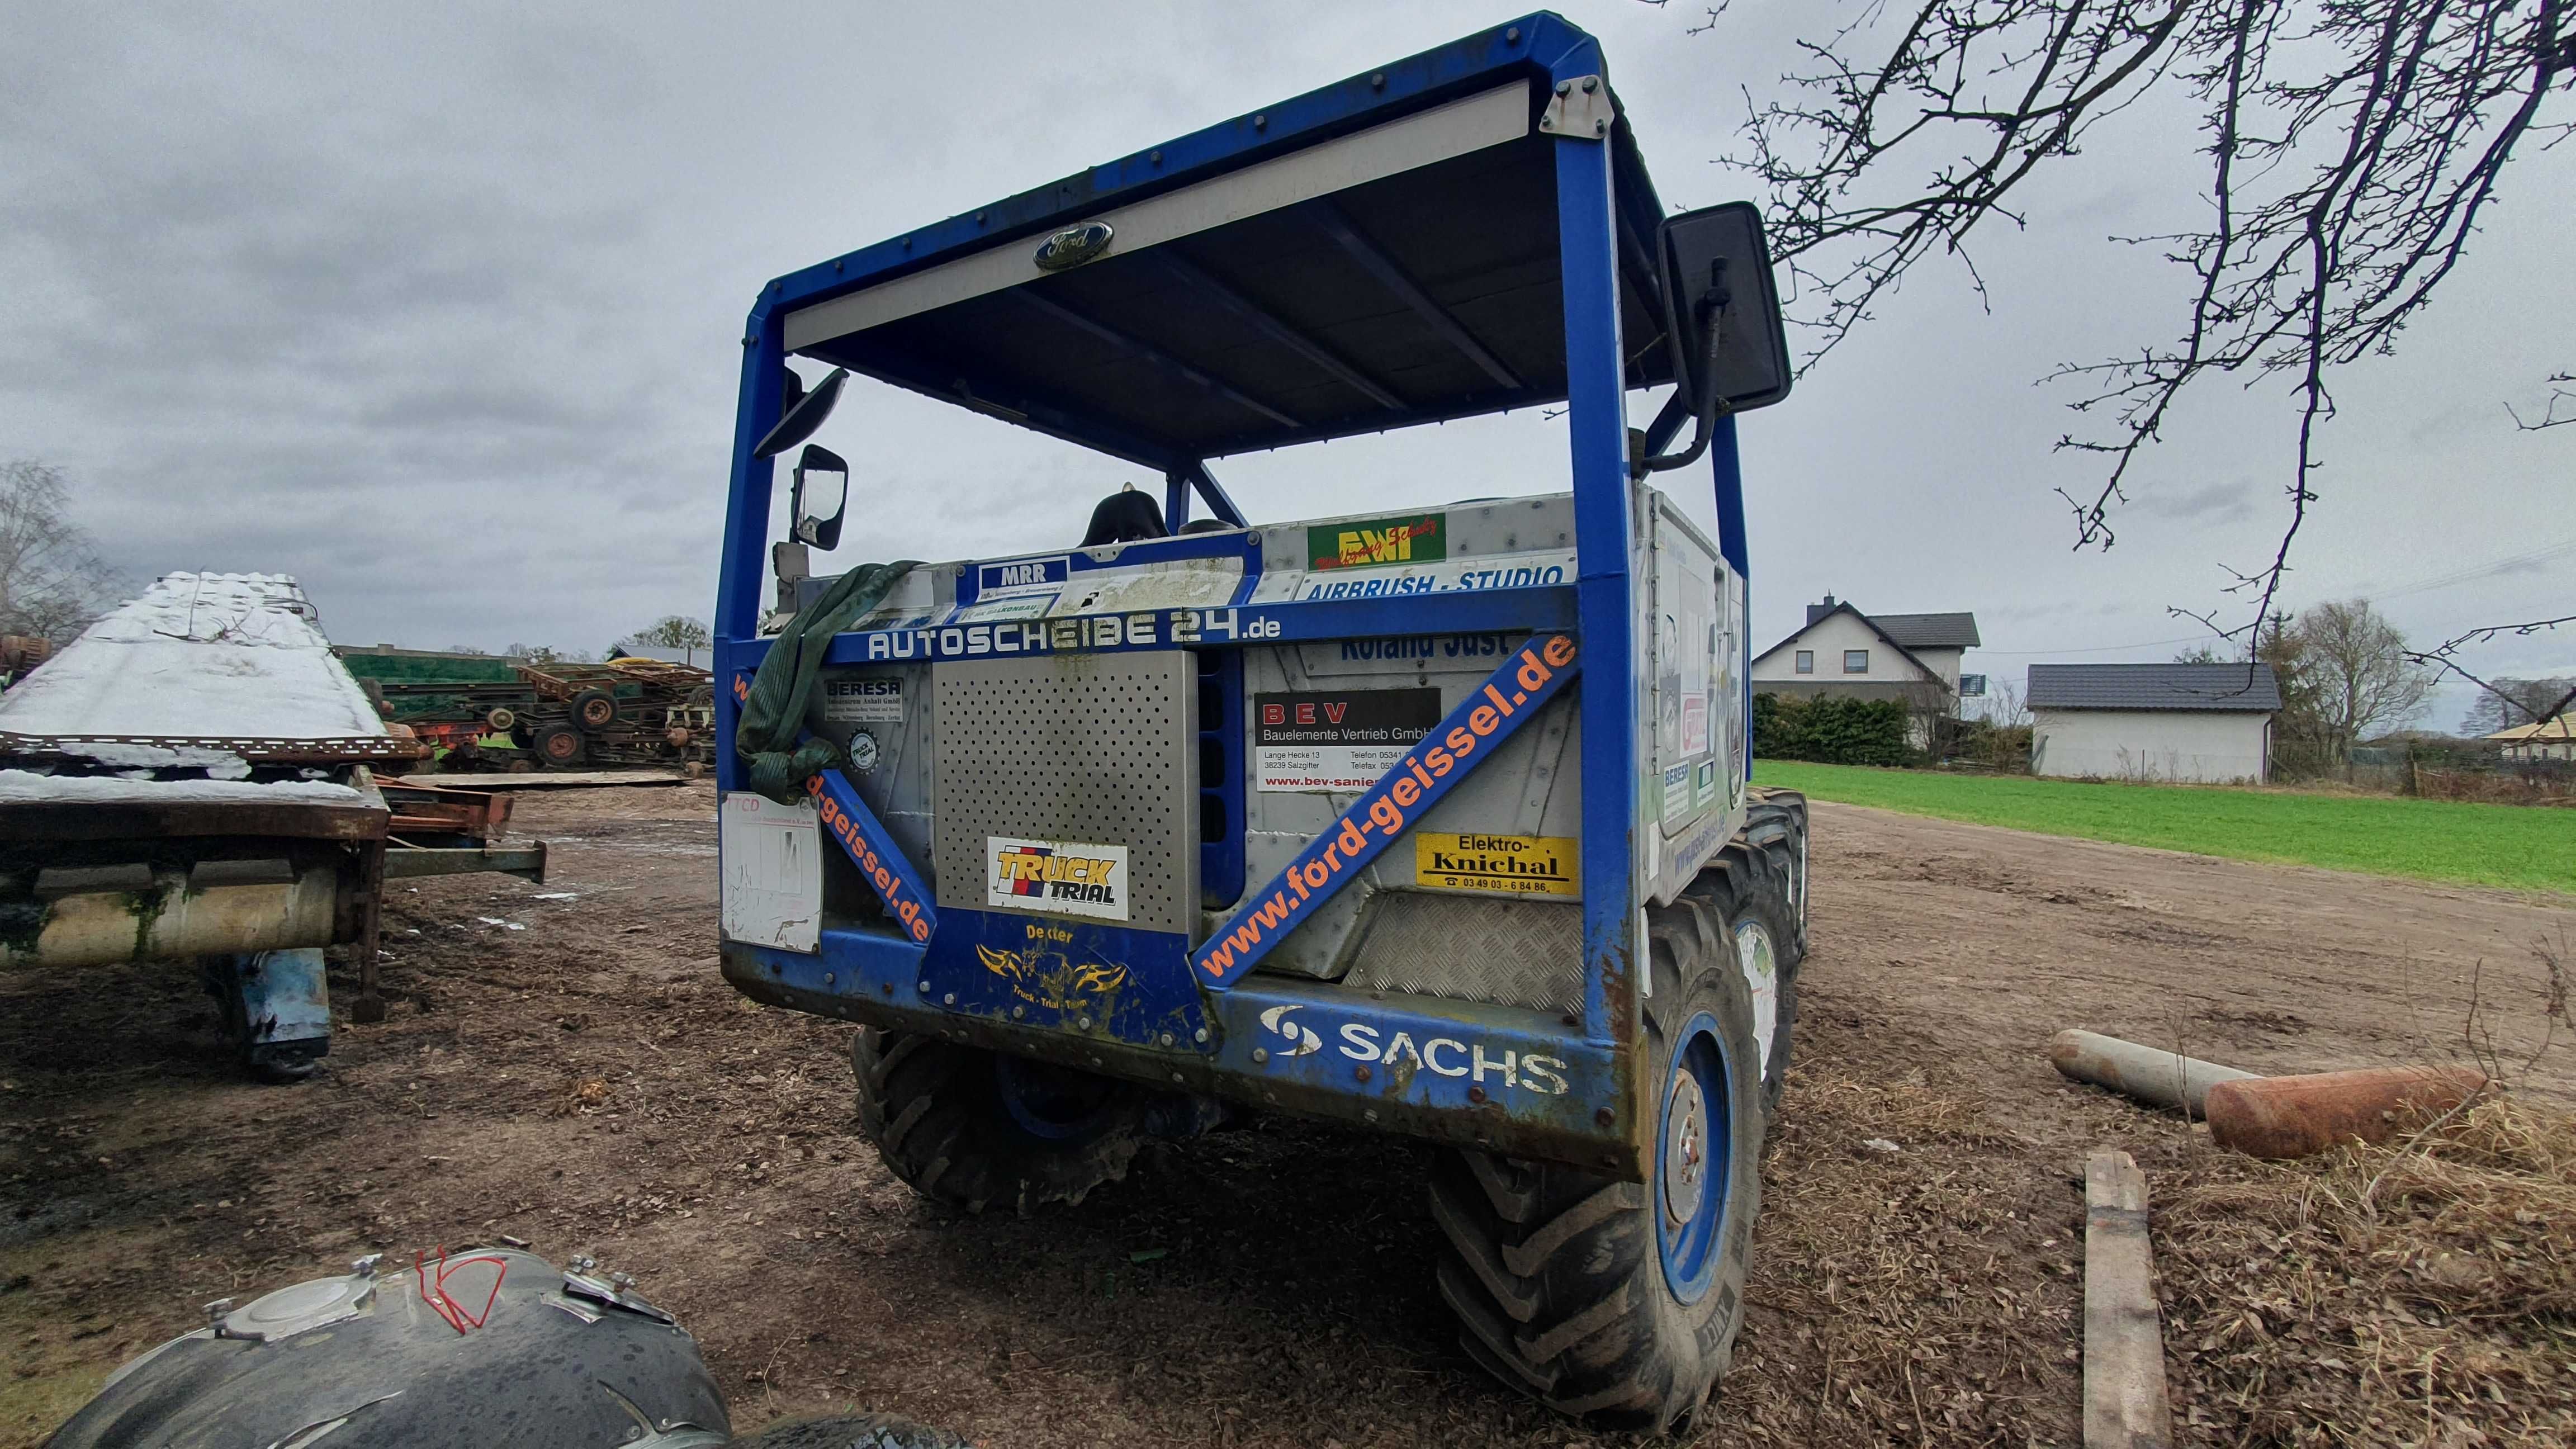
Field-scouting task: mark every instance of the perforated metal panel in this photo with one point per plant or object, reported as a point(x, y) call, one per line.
point(1474, 948)
point(1096, 748)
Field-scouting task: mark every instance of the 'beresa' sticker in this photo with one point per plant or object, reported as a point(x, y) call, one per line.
point(863, 701)
point(1521, 865)
point(1068, 877)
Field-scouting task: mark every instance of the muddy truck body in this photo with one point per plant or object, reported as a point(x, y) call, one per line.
point(1433, 820)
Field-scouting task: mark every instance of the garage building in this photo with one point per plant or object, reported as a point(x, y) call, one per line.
point(2192, 723)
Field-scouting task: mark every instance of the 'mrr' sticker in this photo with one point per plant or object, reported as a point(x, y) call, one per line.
point(1521, 865)
point(1062, 876)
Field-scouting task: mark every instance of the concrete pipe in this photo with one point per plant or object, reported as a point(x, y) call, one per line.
point(2147, 1074)
point(2302, 1116)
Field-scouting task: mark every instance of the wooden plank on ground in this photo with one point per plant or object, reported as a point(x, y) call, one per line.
point(2124, 1355)
point(547, 779)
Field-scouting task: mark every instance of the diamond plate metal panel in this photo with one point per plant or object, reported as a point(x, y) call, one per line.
point(1474, 948)
point(1099, 748)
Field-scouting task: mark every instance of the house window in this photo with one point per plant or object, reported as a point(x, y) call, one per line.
point(1855, 661)
point(1806, 661)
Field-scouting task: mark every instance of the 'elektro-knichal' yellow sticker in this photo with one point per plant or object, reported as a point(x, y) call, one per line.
point(1521, 865)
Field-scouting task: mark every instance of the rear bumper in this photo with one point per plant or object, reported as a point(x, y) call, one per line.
point(1523, 1083)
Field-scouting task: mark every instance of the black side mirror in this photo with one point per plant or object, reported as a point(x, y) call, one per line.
point(1717, 272)
point(802, 416)
point(815, 504)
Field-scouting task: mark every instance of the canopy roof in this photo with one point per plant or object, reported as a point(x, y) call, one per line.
point(1373, 254)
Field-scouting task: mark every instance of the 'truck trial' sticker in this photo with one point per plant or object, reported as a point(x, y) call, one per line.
point(1375, 542)
point(1069, 877)
point(1337, 739)
point(1523, 865)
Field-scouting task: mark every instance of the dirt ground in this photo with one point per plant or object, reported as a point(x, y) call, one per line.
point(562, 1063)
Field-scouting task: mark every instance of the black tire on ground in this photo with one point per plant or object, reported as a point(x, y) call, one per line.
point(596, 709)
point(940, 1115)
point(560, 744)
point(1749, 889)
point(1559, 1278)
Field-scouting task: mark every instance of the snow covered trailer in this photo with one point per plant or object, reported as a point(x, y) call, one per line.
point(1433, 820)
point(191, 779)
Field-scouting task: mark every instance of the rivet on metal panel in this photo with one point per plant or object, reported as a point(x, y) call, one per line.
point(1083, 1022)
point(1602, 1117)
point(1590, 85)
point(827, 978)
point(1377, 82)
point(948, 999)
point(1565, 88)
point(1154, 156)
point(979, 218)
point(887, 988)
point(1167, 1038)
point(1260, 1055)
point(1475, 1094)
point(1363, 1074)
point(925, 988)
point(1018, 1012)
point(1261, 123)
point(1199, 1035)
point(1513, 34)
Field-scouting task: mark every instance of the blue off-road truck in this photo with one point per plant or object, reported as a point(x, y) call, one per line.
point(1433, 820)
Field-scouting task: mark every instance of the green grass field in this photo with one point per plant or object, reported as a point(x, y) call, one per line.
point(2521, 847)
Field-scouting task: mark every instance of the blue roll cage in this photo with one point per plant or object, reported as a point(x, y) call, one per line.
point(1598, 608)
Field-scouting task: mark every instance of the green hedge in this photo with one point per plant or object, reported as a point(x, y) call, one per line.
point(1830, 730)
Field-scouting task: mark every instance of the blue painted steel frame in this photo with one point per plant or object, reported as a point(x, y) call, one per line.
point(1603, 603)
point(1588, 248)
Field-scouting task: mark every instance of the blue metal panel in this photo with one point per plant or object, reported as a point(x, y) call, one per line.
point(737, 612)
point(881, 862)
point(1588, 243)
point(1404, 794)
point(1060, 973)
point(1727, 464)
point(1221, 772)
point(1485, 611)
point(1450, 1056)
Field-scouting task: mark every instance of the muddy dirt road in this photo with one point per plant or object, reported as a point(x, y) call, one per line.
point(563, 1064)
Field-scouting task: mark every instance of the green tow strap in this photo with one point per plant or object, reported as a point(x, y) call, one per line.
point(774, 712)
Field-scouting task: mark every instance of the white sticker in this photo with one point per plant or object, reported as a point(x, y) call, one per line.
point(1677, 793)
point(1695, 724)
point(1010, 606)
point(1067, 877)
point(773, 872)
point(863, 701)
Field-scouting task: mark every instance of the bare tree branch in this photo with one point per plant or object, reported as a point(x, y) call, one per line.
point(2549, 417)
point(2354, 146)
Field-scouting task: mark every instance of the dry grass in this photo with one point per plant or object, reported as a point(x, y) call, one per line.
point(1922, 1296)
point(2422, 1292)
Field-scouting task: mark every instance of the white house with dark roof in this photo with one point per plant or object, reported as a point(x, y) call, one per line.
point(1845, 652)
point(2195, 723)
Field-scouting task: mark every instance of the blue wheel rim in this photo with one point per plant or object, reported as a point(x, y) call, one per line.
point(1047, 1101)
point(1690, 1224)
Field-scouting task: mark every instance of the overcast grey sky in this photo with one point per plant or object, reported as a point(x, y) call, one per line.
point(436, 309)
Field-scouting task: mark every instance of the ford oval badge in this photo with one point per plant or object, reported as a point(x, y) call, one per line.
point(1073, 246)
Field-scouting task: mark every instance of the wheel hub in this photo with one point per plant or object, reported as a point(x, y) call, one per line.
point(1685, 1148)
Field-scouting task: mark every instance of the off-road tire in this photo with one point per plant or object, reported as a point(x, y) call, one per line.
point(500, 719)
point(595, 709)
point(1556, 1275)
point(1755, 883)
point(935, 1111)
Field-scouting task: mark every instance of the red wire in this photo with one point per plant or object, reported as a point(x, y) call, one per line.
point(447, 1308)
